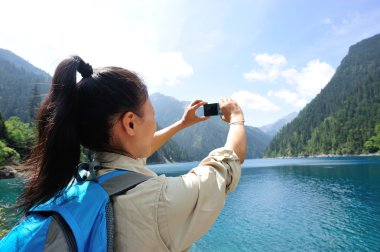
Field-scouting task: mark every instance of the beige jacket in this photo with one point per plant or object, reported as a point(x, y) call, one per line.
point(171, 213)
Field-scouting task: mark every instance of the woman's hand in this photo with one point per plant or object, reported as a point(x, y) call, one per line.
point(189, 117)
point(231, 111)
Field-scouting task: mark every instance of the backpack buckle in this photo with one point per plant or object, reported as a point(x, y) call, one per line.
point(81, 172)
point(86, 171)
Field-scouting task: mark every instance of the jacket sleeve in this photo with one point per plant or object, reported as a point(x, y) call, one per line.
point(190, 204)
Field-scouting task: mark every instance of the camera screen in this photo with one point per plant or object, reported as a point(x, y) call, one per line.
point(211, 109)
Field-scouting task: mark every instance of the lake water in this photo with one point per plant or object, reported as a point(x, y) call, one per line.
point(320, 204)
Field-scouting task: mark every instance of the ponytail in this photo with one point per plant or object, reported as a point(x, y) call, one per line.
point(75, 114)
point(57, 151)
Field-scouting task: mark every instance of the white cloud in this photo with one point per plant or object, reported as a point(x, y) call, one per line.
point(327, 21)
point(126, 34)
point(164, 68)
point(253, 101)
point(310, 79)
point(269, 67)
point(270, 61)
point(289, 97)
point(304, 84)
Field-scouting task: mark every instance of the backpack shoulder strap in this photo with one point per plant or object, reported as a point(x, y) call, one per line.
point(120, 181)
point(115, 183)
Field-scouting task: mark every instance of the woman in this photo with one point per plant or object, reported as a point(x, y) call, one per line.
point(109, 112)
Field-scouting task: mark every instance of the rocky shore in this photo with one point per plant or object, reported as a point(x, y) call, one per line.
point(10, 171)
point(7, 172)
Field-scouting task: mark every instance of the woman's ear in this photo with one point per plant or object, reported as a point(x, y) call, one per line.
point(128, 123)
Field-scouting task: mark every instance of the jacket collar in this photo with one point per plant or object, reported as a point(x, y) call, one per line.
point(118, 161)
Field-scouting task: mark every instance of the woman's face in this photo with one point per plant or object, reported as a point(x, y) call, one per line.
point(145, 131)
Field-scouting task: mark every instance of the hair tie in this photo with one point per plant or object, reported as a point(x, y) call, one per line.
point(85, 69)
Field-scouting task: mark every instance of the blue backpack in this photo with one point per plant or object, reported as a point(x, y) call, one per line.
point(78, 219)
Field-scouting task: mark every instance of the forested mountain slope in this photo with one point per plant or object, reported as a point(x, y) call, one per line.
point(21, 86)
point(344, 115)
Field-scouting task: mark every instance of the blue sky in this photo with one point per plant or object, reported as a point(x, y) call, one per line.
point(272, 56)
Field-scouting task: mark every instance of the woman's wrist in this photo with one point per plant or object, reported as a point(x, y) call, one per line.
point(236, 118)
point(182, 123)
point(238, 122)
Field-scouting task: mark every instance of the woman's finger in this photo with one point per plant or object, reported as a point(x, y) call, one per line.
point(203, 118)
point(196, 106)
point(195, 102)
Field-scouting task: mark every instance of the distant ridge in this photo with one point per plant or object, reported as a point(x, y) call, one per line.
point(273, 128)
point(21, 63)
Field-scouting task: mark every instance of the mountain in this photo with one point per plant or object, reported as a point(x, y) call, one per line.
point(21, 63)
point(21, 86)
point(203, 137)
point(273, 128)
point(170, 152)
point(343, 116)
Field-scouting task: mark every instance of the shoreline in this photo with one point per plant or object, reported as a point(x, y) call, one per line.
point(14, 171)
point(328, 155)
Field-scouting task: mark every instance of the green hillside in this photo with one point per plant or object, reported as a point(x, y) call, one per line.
point(170, 152)
point(344, 115)
point(21, 86)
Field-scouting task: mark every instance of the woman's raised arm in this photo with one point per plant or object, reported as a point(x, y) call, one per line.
point(189, 118)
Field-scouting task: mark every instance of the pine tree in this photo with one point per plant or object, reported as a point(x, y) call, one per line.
point(373, 144)
point(2, 128)
point(35, 101)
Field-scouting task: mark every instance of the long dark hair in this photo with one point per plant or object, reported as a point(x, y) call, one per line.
point(75, 114)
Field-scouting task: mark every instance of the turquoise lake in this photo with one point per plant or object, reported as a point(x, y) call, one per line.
point(314, 204)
